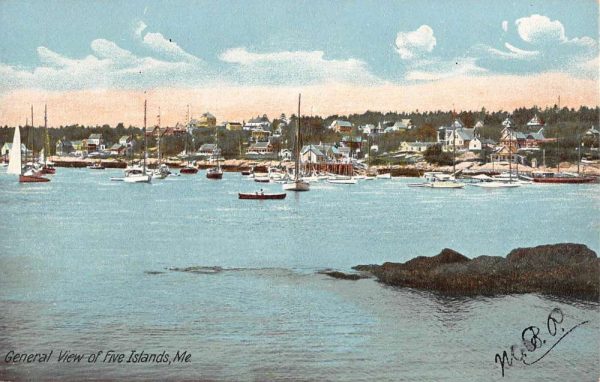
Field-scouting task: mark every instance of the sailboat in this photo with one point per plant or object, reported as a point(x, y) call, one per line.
point(298, 184)
point(136, 175)
point(48, 167)
point(188, 169)
point(14, 164)
point(215, 172)
point(496, 183)
point(162, 170)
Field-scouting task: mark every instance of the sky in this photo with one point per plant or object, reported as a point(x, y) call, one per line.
point(94, 62)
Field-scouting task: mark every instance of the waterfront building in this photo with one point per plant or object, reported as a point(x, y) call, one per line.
point(208, 150)
point(414, 147)
point(95, 143)
point(6, 147)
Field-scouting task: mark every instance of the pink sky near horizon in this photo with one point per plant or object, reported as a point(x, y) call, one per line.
point(97, 107)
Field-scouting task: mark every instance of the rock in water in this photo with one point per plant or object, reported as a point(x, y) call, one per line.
point(568, 270)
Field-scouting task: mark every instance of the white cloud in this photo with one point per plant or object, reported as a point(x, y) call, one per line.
point(168, 49)
point(416, 43)
point(435, 70)
point(298, 67)
point(505, 25)
point(537, 29)
point(140, 27)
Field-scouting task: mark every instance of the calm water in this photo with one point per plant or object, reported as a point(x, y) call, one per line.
point(77, 257)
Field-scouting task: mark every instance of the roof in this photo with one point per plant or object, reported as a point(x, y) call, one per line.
point(95, 136)
point(208, 115)
point(355, 139)
point(592, 131)
point(258, 119)
point(466, 134)
point(341, 123)
point(207, 147)
point(535, 121)
point(234, 123)
point(311, 148)
point(116, 146)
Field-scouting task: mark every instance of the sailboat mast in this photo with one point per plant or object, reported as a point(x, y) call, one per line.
point(30, 139)
point(510, 155)
point(297, 164)
point(145, 139)
point(159, 135)
point(46, 131)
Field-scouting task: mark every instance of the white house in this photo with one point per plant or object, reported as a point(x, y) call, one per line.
point(261, 123)
point(286, 154)
point(8, 146)
point(415, 147)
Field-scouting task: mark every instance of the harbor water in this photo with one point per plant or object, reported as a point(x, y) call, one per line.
point(88, 265)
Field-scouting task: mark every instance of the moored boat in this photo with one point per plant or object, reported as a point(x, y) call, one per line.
point(297, 184)
point(562, 177)
point(261, 195)
point(189, 169)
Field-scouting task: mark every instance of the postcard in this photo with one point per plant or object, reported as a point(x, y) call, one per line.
point(360, 190)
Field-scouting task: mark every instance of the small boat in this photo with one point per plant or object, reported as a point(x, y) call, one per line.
point(214, 173)
point(342, 180)
point(297, 184)
point(189, 169)
point(96, 166)
point(48, 169)
point(135, 174)
point(387, 175)
point(261, 195)
point(262, 179)
point(561, 177)
point(246, 172)
point(28, 175)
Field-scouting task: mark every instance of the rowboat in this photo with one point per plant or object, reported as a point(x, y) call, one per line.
point(261, 196)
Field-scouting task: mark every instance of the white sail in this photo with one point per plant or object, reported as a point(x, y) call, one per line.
point(14, 164)
point(42, 157)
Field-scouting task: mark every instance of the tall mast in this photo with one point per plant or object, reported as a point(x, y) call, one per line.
point(145, 139)
point(159, 135)
point(31, 140)
point(297, 164)
point(46, 132)
point(454, 149)
point(510, 153)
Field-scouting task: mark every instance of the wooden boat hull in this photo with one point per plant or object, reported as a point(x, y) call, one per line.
point(48, 170)
point(32, 179)
point(573, 180)
point(188, 170)
point(261, 196)
point(296, 186)
point(214, 175)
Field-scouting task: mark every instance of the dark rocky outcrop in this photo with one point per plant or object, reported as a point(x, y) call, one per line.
point(344, 276)
point(568, 270)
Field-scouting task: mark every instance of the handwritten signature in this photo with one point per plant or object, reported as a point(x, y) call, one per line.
point(532, 341)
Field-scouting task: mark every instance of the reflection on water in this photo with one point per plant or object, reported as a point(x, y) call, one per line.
point(182, 264)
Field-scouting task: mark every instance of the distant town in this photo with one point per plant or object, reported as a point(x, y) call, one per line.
point(529, 136)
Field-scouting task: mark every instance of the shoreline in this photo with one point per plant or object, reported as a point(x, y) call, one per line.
point(236, 165)
point(563, 270)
